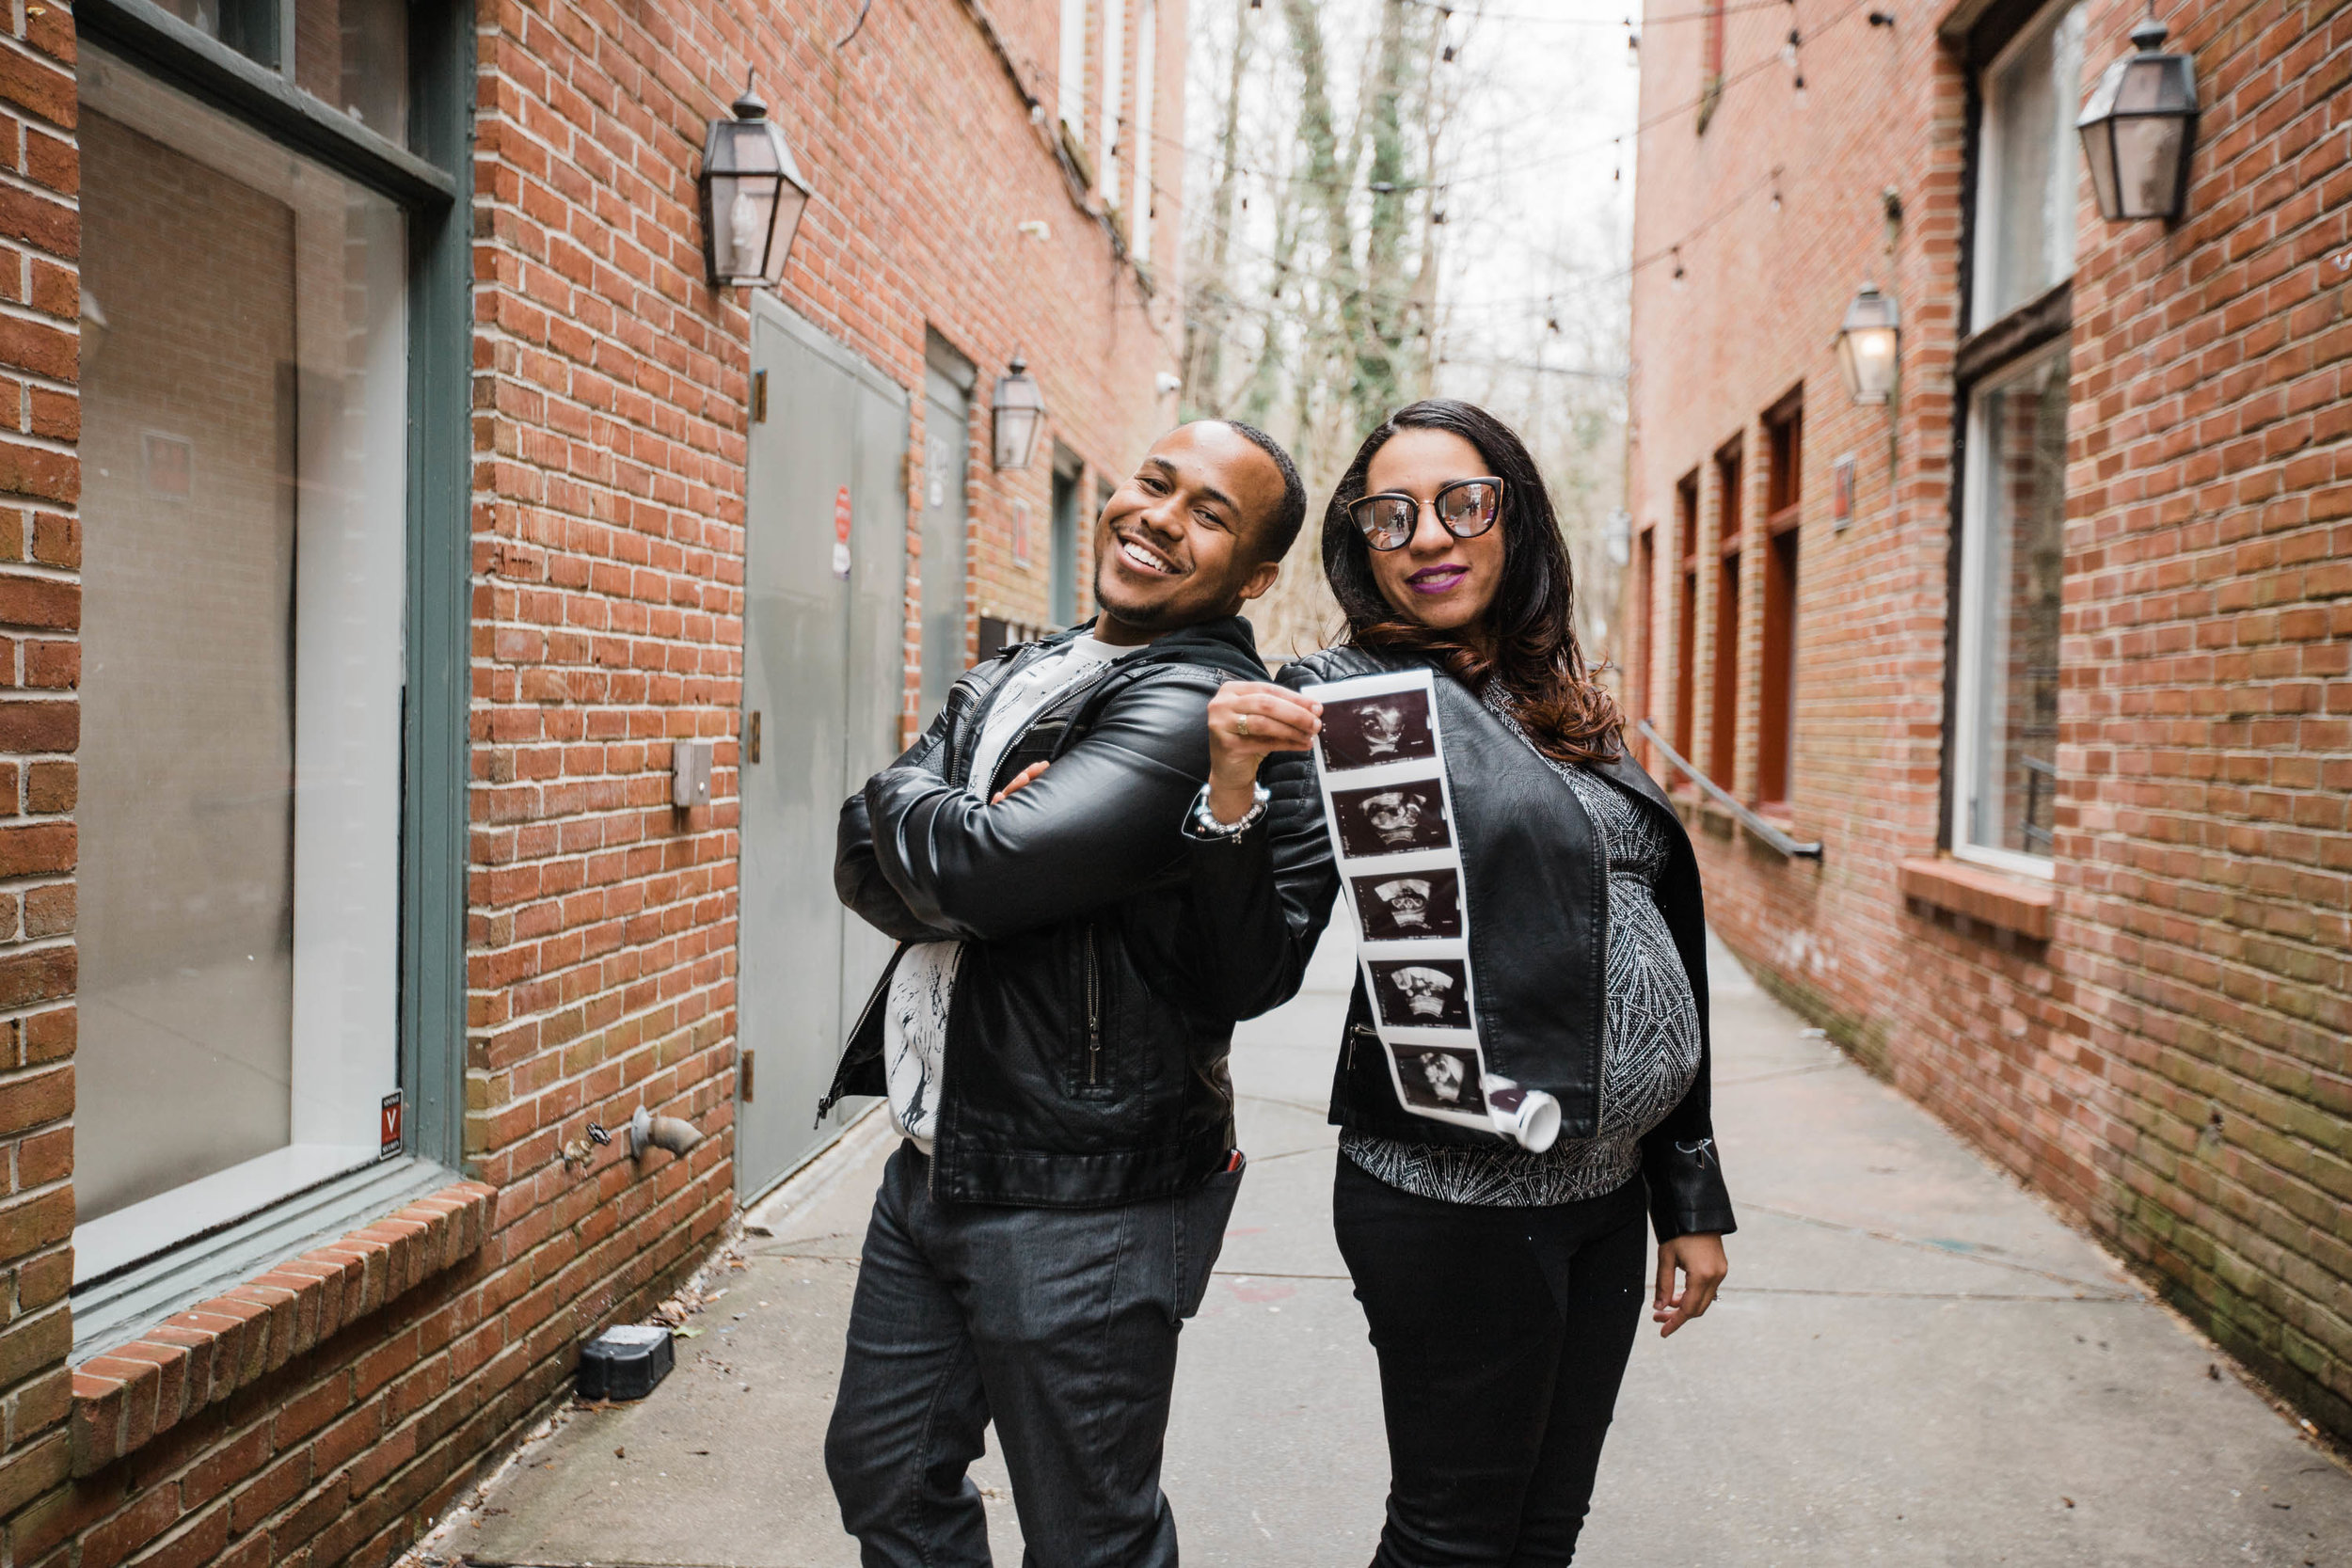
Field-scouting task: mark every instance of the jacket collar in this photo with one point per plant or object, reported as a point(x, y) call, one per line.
point(1227, 643)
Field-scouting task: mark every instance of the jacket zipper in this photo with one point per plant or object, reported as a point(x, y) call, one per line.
point(1094, 1014)
point(1601, 848)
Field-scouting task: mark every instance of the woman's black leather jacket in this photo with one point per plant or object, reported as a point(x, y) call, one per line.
point(1537, 888)
point(1083, 1065)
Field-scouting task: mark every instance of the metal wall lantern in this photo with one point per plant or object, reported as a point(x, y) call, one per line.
point(752, 197)
point(1019, 408)
point(2138, 127)
point(1866, 343)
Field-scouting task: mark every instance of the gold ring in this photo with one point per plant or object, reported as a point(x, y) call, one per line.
point(1241, 726)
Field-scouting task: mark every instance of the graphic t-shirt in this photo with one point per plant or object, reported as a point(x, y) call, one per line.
point(914, 1023)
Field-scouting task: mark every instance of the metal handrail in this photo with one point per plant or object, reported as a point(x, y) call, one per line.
point(1723, 797)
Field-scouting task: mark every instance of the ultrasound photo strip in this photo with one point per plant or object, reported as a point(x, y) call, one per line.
point(1380, 764)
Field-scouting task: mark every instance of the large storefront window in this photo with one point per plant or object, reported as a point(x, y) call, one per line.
point(244, 450)
point(2011, 554)
point(2028, 167)
point(350, 54)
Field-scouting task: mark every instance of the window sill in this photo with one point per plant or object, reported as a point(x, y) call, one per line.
point(2011, 903)
point(124, 1397)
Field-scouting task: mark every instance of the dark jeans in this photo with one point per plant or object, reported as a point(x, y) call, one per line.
point(1503, 1335)
point(1060, 1324)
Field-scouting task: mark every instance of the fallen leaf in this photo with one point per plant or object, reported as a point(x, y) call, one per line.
point(622, 1453)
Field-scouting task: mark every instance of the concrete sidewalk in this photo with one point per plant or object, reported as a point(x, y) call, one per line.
point(1913, 1364)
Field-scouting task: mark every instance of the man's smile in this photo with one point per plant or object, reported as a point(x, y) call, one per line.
point(1144, 558)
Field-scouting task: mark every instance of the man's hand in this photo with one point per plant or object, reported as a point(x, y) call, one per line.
point(1249, 721)
point(1700, 1257)
point(1025, 777)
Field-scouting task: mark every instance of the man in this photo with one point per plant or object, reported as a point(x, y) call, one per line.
point(1069, 1159)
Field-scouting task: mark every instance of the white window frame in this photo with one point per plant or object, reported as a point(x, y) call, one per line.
point(1147, 67)
point(1114, 80)
point(1070, 92)
point(1988, 172)
point(1973, 611)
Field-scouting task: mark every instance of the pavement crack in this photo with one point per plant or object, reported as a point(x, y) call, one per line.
point(1940, 1250)
point(1779, 1072)
point(1288, 1104)
point(1288, 1154)
point(2067, 1300)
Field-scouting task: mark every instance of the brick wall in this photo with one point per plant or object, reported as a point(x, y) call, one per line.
point(40, 725)
point(324, 1412)
point(2169, 1064)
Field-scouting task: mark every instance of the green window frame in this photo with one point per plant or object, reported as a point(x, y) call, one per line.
point(249, 77)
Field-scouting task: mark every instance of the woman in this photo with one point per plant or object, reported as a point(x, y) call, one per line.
point(1502, 1286)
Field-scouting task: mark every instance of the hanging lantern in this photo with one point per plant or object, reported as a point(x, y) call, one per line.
point(1866, 340)
point(752, 197)
point(1019, 408)
point(2137, 128)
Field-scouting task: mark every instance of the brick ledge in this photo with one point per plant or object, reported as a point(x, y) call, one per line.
point(124, 1397)
point(2012, 903)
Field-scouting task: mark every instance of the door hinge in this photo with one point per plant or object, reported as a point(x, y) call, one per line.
point(744, 1060)
point(759, 397)
point(751, 737)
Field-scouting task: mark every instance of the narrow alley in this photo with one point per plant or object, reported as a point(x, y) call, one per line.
point(1913, 1362)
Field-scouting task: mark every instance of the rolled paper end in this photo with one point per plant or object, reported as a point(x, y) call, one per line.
point(1529, 1117)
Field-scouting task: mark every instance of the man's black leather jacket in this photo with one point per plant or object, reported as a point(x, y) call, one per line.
point(1083, 1067)
point(1537, 889)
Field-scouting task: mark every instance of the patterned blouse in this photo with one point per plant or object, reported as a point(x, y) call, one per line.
point(1650, 1049)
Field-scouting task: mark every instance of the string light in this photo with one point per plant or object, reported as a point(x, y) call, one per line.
point(1675, 111)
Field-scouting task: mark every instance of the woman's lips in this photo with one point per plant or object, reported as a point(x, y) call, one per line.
point(1436, 579)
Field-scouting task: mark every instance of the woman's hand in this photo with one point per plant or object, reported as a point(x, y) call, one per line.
point(1700, 1257)
point(1249, 721)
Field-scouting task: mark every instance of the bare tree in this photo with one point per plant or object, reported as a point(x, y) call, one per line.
point(1317, 301)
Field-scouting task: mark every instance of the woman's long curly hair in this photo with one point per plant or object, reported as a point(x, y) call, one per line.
point(1532, 647)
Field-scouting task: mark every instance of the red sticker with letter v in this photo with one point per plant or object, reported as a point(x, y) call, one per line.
point(393, 1102)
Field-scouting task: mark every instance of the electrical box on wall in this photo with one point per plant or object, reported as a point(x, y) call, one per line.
point(689, 774)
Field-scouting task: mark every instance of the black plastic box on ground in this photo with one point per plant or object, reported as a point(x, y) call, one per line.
point(625, 1363)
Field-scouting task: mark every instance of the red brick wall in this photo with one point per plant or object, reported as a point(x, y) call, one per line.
point(2198, 966)
point(40, 725)
point(608, 385)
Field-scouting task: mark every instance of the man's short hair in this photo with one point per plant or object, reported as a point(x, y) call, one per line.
point(1276, 534)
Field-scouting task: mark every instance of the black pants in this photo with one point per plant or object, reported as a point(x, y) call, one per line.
point(1059, 1323)
point(1503, 1335)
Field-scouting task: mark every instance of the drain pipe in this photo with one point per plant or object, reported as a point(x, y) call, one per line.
point(648, 1131)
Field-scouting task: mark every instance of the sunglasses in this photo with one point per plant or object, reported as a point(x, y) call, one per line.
point(1466, 508)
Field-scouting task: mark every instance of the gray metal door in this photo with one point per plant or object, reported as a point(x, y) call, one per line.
point(943, 458)
point(946, 452)
point(823, 623)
